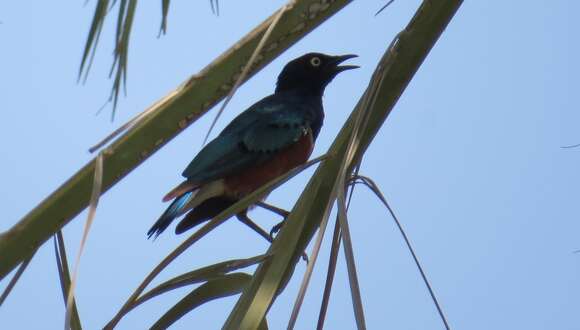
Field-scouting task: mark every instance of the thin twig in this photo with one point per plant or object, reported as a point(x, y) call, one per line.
point(374, 188)
point(384, 7)
point(150, 135)
point(187, 279)
point(312, 262)
point(361, 120)
point(336, 237)
point(310, 267)
point(64, 277)
point(350, 262)
point(246, 69)
point(410, 50)
point(15, 279)
point(212, 224)
point(94, 201)
point(332, 260)
point(360, 123)
point(128, 125)
point(215, 8)
point(59, 268)
point(143, 114)
point(340, 183)
point(572, 146)
point(367, 102)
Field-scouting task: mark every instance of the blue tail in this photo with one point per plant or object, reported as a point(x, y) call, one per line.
point(204, 212)
point(173, 211)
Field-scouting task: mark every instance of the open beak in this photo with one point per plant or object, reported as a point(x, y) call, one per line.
point(339, 59)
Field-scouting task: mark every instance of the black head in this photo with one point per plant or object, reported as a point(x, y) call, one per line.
point(311, 73)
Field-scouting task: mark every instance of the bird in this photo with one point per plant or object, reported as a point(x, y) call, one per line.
point(270, 138)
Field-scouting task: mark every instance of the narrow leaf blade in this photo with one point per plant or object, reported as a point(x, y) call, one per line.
point(218, 287)
point(197, 276)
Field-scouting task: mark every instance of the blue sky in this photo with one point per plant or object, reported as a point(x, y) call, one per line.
point(470, 159)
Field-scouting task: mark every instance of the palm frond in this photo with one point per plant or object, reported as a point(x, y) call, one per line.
point(369, 183)
point(332, 260)
point(215, 7)
point(200, 233)
point(218, 287)
point(15, 279)
point(246, 68)
point(571, 146)
point(350, 262)
point(64, 278)
point(395, 70)
point(93, 37)
point(331, 270)
point(164, 13)
point(166, 119)
point(94, 201)
point(125, 17)
point(384, 7)
point(196, 276)
point(121, 53)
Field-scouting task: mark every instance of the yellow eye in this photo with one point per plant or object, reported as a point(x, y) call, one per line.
point(315, 61)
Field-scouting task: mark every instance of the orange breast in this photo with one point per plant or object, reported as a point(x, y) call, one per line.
point(247, 181)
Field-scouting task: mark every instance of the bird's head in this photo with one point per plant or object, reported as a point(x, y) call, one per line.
point(311, 73)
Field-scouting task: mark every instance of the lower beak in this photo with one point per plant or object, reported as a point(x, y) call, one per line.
point(340, 59)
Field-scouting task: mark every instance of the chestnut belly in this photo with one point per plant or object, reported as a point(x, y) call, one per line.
point(282, 161)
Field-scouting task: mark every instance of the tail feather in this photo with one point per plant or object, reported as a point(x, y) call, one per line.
point(175, 209)
point(188, 200)
point(204, 212)
point(181, 189)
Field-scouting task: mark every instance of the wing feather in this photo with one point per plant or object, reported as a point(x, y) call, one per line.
point(250, 139)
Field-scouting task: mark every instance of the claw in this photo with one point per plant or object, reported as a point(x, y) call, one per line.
point(276, 229)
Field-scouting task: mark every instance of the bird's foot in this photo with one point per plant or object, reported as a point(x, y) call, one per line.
point(276, 228)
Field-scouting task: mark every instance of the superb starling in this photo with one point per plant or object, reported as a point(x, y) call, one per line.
point(267, 140)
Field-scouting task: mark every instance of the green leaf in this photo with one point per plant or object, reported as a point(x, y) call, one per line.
point(93, 37)
point(120, 19)
point(369, 183)
point(15, 279)
point(168, 117)
point(197, 276)
point(394, 72)
point(164, 12)
point(120, 62)
point(219, 287)
point(64, 278)
point(209, 226)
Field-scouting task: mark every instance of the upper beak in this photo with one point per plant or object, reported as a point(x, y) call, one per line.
point(339, 59)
